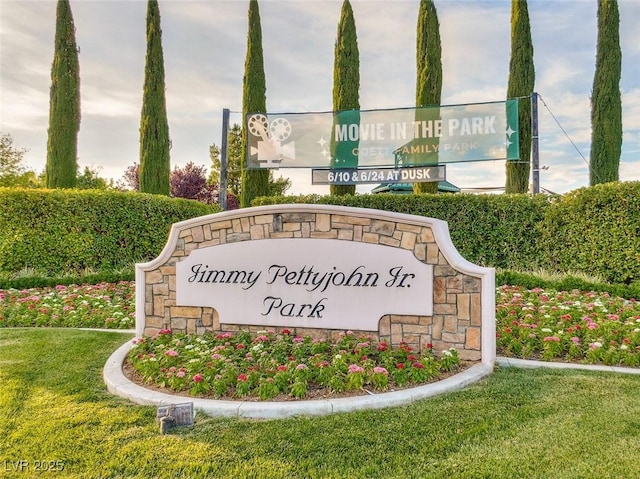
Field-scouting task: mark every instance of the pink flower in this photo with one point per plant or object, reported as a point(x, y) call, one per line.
point(171, 352)
point(382, 346)
point(180, 374)
point(551, 339)
point(239, 346)
point(380, 370)
point(197, 378)
point(354, 368)
point(216, 356)
point(301, 367)
point(298, 339)
point(576, 340)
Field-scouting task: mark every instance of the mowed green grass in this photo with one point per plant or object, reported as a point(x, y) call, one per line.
point(514, 424)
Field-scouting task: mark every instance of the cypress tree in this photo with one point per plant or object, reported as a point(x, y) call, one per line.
point(606, 104)
point(428, 69)
point(255, 182)
point(521, 82)
point(64, 107)
point(155, 168)
point(346, 97)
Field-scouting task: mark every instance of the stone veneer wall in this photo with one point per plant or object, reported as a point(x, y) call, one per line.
point(460, 299)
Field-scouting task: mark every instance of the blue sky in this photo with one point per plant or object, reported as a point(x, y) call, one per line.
point(204, 51)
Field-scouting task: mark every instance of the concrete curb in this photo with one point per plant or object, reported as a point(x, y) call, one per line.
point(528, 363)
point(118, 384)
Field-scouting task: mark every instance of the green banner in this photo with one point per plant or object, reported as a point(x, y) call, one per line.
point(375, 138)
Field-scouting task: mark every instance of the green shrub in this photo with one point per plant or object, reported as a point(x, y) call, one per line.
point(490, 230)
point(596, 231)
point(67, 231)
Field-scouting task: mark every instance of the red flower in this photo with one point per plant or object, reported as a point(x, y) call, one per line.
point(242, 377)
point(401, 365)
point(286, 331)
point(197, 378)
point(239, 346)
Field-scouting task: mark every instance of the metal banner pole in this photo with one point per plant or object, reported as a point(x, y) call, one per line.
point(535, 157)
point(223, 159)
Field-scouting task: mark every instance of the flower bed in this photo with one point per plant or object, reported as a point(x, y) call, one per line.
point(104, 305)
point(269, 364)
point(592, 328)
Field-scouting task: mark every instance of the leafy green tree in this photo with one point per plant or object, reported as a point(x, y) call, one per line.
point(428, 69)
point(606, 104)
point(346, 96)
point(155, 167)
point(234, 161)
point(12, 170)
point(521, 82)
point(255, 182)
point(64, 104)
point(90, 180)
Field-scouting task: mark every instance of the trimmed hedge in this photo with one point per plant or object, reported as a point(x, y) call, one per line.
point(489, 230)
point(594, 231)
point(59, 232)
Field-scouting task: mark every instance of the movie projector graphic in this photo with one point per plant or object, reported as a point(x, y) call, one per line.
point(266, 141)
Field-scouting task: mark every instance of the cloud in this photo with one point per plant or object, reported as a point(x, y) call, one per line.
point(204, 46)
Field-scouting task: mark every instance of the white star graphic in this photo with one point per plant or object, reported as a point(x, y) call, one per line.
point(322, 142)
point(510, 132)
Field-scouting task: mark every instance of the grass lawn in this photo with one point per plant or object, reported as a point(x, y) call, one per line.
point(55, 413)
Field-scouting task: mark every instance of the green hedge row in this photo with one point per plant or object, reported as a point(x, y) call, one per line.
point(594, 231)
point(490, 230)
point(60, 232)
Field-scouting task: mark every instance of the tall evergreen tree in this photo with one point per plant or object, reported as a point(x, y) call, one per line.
point(64, 106)
point(428, 69)
point(606, 104)
point(255, 182)
point(155, 168)
point(522, 77)
point(346, 96)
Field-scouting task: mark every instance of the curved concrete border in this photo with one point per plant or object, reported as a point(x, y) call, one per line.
point(118, 384)
point(532, 364)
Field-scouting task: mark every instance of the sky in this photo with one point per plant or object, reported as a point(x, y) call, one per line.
point(204, 43)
